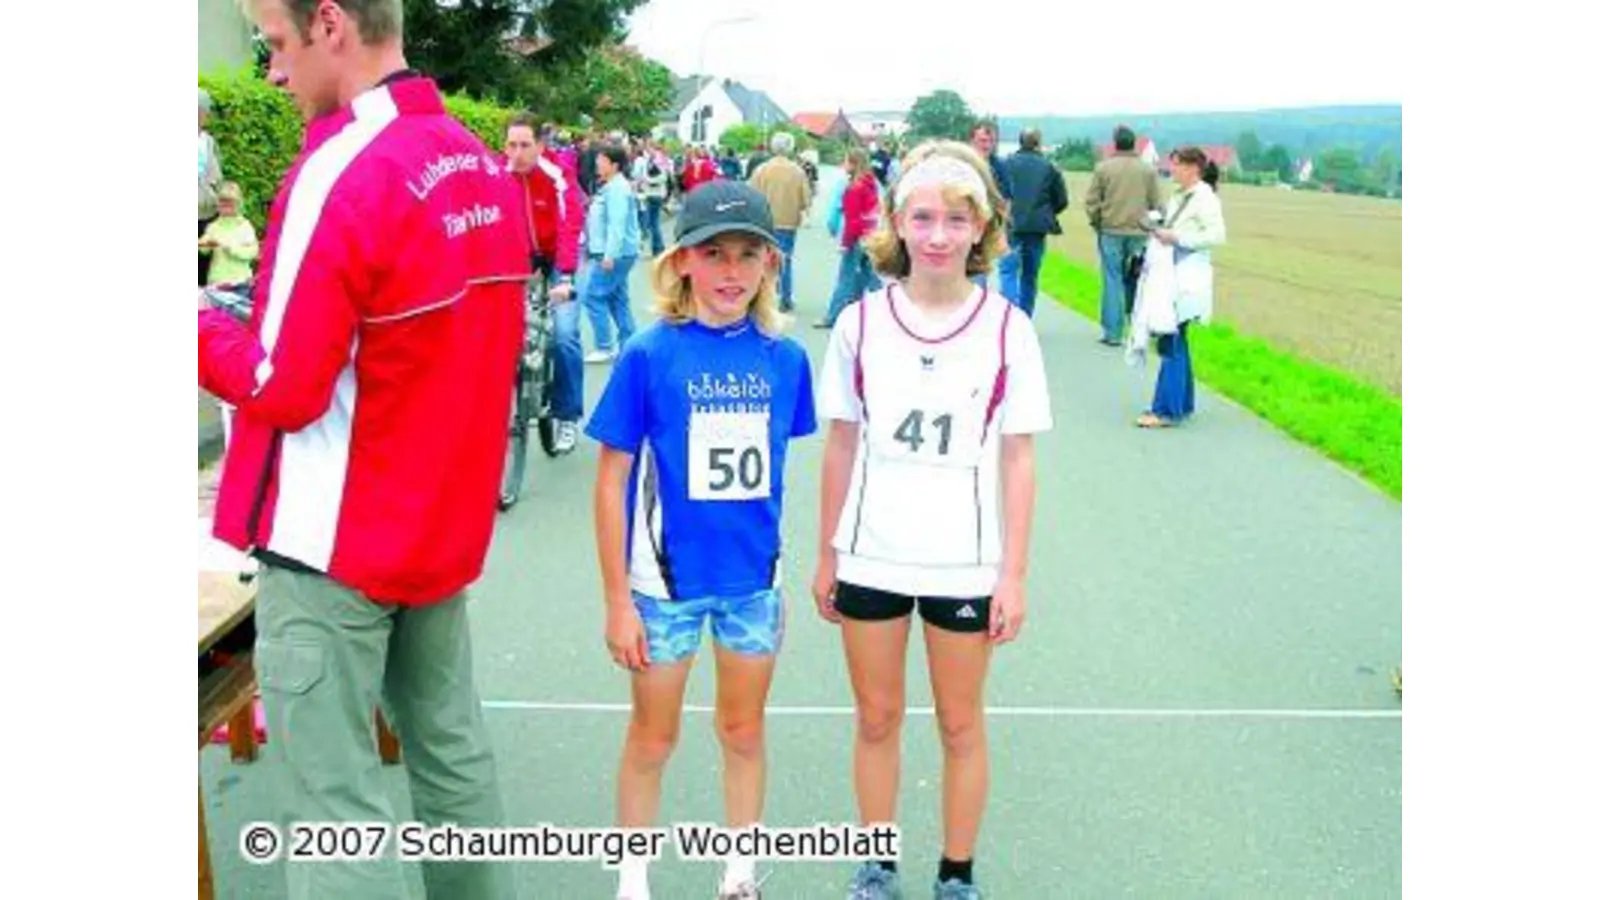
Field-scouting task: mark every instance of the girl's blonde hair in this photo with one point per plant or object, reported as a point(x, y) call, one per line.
point(675, 295)
point(888, 252)
point(857, 161)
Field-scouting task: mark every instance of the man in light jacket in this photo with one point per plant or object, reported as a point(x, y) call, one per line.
point(788, 191)
point(1123, 191)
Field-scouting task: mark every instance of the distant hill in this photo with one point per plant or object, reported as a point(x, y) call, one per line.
point(1304, 131)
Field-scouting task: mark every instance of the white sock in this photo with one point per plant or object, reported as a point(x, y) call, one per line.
point(740, 869)
point(633, 881)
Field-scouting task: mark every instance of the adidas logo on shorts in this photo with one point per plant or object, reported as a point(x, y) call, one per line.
point(966, 612)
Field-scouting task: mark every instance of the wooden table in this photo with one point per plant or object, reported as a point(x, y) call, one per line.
point(228, 685)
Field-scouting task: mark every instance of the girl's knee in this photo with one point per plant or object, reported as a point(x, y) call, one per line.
point(879, 722)
point(961, 733)
point(742, 736)
point(650, 748)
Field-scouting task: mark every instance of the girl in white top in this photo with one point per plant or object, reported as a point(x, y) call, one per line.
point(934, 390)
point(1193, 226)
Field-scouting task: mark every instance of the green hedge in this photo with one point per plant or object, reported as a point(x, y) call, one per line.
point(259, 133)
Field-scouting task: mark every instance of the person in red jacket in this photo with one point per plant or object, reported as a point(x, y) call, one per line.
point(861, 206)
point(700, 169)
point(371, 385)
point(553, 209)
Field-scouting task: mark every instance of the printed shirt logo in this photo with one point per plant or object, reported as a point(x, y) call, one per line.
point(730, 447)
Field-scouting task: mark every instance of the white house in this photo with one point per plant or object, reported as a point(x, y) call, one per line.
point(706, 107)
point(880, 124)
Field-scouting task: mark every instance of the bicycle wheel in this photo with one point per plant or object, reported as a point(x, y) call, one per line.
point(517, 447)
point(546, 388)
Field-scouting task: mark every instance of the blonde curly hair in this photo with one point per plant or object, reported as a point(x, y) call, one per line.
point(888, 252)
point(675, 295)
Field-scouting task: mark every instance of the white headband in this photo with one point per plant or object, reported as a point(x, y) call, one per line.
point(942, 171)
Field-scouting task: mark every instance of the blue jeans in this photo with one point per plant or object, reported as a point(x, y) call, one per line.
point(1114, 291)
point(1030, 255)
point(605, 298)
point(650, 223)
point(786, 277)
point(1174, 398)
point(1009, 265)
point(566, 393)
point(855, 279)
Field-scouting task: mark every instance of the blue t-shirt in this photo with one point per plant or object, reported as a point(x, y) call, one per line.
point(707, 414)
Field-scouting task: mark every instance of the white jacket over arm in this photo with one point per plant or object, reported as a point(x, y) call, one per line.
point(1199, 227)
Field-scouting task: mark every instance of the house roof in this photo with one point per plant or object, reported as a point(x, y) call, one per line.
point(815, 122)
point(684, 89)
point(1224, 155)
point(754, 105)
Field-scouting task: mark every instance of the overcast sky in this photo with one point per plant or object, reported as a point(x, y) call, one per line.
point(1080, 58)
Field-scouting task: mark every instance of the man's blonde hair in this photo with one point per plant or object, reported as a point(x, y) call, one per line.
point(888, 252)
point(675, 295)
point(377, 21)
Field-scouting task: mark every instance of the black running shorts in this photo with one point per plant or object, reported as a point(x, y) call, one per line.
point(864, 604)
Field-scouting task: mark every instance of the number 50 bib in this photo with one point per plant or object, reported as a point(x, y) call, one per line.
point(729, 456)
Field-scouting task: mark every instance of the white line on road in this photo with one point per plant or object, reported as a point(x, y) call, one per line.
point(1010, 711)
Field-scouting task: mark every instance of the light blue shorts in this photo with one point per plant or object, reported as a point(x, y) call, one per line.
point(751, 625)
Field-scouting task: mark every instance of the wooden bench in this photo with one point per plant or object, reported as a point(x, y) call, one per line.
point(228, 685)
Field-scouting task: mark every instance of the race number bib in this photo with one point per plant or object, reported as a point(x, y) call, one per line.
point(929, 433)
point(729, 456)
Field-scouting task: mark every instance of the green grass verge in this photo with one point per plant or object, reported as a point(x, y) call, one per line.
point(1348, 420)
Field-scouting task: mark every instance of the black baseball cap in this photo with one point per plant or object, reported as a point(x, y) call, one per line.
point(720, 207)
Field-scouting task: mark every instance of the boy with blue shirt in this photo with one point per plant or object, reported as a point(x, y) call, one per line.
point(693, 427)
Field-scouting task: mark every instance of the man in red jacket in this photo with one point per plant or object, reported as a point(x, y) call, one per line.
point(553, 209)
point(372, 386)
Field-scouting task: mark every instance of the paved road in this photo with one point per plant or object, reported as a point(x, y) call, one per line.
point(1198, 707)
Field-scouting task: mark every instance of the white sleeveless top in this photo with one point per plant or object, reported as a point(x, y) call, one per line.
point(922, 515)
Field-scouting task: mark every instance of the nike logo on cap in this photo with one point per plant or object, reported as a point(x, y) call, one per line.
point(724, 207)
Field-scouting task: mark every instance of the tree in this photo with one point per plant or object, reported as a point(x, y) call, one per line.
point(1250, 155)
point(613, 85)
point(941, 114)
point(746, 136)
point(574, 26)
point(1386, 168)
point(1341, 167)
point(1278, 159)
point(462, 46)
point(1076, 155)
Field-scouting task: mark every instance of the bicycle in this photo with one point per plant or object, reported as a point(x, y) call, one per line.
point(535, 380)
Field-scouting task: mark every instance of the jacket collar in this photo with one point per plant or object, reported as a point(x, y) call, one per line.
point(401, 93)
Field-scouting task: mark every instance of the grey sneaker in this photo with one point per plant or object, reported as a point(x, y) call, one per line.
point(955, 890)
point(874, 882)
point(566, 436)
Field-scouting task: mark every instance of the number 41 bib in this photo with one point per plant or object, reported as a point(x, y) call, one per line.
point(729, 456)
